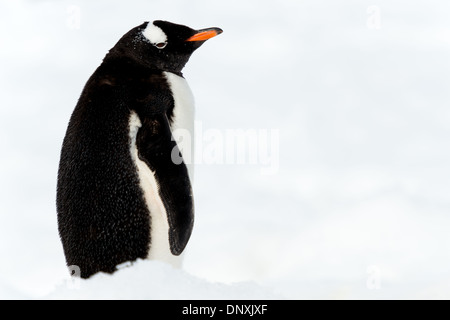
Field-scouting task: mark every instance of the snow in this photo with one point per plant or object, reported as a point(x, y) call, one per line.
point(155, 280)
point(358, 203)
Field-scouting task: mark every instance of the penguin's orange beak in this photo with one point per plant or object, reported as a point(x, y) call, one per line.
point(205, 34)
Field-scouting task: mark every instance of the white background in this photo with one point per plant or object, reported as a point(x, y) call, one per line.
point(358, 91)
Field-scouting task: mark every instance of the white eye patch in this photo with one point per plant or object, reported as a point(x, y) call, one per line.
point(155, 35)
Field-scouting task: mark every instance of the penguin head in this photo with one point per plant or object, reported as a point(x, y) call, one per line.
point(162, 45)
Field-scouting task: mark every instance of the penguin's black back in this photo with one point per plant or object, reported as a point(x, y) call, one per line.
point(102, 215)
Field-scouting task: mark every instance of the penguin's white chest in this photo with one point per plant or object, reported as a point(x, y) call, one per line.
point(159, 225)
point(183, 120)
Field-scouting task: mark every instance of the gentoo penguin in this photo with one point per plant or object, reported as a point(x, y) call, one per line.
point(120, 195)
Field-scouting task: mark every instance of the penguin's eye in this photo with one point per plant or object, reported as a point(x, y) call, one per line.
point(161, 45)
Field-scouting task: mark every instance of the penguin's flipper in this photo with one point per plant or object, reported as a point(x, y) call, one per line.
point(156, 148)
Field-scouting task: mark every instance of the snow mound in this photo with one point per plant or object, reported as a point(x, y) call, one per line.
point(8, 292)
point(145, 279)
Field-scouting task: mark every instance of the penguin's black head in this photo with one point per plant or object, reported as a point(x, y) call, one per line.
point(161, 45)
